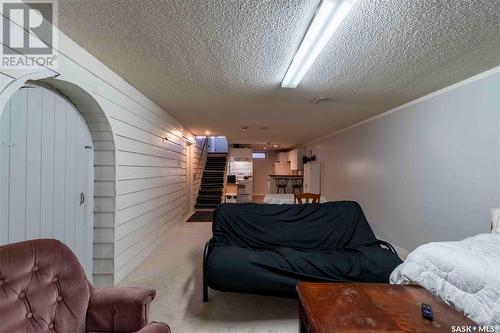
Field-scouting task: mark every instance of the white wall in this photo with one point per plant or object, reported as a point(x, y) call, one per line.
point(426, 171)
point(140, 177)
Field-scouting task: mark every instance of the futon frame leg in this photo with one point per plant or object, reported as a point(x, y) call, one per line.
point(208, 246)
point(205, 293)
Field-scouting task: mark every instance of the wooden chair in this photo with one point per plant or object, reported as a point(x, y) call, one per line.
point(297, 197)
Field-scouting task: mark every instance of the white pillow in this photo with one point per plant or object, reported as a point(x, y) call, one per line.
point(495, 220)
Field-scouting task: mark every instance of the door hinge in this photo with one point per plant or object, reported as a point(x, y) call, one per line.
point(82, 198)
point(88, 147)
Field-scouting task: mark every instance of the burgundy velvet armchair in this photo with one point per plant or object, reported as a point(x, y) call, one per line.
point(43, 288)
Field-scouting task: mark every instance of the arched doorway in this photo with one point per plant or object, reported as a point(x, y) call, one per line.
point(47, 178)
point(103, 153)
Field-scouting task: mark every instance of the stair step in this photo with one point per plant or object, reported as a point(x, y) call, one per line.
point(206, 206)
point(212, 182)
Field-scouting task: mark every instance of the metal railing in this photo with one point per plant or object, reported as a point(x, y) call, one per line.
point(204, 147)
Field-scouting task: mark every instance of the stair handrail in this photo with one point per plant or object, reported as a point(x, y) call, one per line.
point(204, 147)
point(224, 181)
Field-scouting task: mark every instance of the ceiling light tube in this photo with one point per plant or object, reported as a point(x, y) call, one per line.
point(329, 16)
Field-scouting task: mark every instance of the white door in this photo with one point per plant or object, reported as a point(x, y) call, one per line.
point(46, 165)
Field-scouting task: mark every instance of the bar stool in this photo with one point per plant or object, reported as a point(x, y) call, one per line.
point(297, 184)
point(281, 183)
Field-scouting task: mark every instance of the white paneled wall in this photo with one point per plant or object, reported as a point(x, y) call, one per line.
point(140, 162)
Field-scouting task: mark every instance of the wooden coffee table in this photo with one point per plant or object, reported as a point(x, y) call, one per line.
point(371, 307)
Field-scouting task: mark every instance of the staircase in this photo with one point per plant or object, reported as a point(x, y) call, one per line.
point(212, 182)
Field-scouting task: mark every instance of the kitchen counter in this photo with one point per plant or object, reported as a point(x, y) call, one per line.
point(272, 182)
point(274, 198)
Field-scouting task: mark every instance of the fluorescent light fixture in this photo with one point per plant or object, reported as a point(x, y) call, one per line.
point(329, 16)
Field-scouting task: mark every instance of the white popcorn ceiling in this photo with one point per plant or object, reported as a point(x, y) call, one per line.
point(217, 64)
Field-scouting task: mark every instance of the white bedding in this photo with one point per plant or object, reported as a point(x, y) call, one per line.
point(464, 274)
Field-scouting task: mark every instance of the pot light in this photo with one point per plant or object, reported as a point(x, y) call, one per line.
point(243, 128)
point(329, 16)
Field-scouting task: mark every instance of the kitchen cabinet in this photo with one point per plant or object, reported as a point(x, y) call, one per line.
point(282, 166)
point(283, 157)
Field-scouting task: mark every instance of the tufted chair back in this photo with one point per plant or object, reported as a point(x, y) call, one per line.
point(43, 288)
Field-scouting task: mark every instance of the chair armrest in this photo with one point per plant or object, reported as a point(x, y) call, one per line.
point(387, 245)
point(119, 309)
point(155, 328)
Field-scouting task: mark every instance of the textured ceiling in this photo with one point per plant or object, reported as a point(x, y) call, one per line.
point(217, 64)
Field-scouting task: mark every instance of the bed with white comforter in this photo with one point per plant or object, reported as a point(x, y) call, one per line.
point(464, 274)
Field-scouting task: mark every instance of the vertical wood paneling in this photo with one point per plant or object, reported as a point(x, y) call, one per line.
point(33, 156)
point(70, 195)
point(17, 195)
point(79, 234)
point(59, 169)
point(51, 176)
point(47, 165)
point(4, 174)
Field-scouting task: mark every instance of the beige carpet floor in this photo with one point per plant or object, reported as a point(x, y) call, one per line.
point(174, 270)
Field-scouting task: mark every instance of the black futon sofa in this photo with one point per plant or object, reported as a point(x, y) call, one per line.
point(266, 249)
